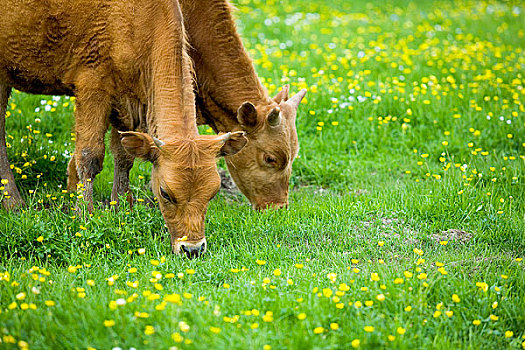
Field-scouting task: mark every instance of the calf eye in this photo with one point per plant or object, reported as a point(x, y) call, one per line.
point(166, 196)
point(270, 160)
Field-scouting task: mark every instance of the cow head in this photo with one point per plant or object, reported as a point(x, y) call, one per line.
point(262, 170)
point(184, 179)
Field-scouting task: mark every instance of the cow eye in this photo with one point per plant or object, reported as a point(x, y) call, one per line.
point(166, 196)
point(268, 159)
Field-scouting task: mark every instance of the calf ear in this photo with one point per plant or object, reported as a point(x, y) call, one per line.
point(233, 143)
point(141, 145)
point(247, 115)
point(282, 96)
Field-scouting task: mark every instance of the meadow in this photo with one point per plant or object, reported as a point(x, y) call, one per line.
point(406, 224)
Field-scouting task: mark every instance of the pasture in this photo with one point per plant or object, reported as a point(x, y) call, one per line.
point(406, 224)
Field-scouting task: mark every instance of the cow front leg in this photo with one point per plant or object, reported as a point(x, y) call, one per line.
point(123, 164)
point(91, 124)
point(11, 196)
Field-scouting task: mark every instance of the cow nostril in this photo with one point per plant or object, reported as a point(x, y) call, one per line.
point(185, 250)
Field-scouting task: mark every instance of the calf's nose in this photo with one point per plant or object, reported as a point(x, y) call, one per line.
point(193, 250)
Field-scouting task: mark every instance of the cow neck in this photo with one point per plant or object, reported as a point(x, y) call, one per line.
point(225, 73)
point(172, 96)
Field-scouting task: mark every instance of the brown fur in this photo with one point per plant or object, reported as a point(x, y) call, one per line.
point(127, 59)
point(225, 80)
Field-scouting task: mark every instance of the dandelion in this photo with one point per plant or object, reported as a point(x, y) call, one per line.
point(401, 330)
point(334, 326)
point(183, 326)
point(318, 330)
point(149, 330)
point(177, 338)
point(277, 272)
point(332, 276)
point(455, 298)
point(509, 334)
point(493, 317)
point(476, 322)
point(355, 343)
point(369, 329)
point(482, 285)
point(215, 330)
point(268, 317)
point(109, 323)
point(260, 262)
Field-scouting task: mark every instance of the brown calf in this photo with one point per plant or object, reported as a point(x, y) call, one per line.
point(124, 56)
point(230, 97)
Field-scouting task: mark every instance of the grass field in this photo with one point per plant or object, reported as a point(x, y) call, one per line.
point(406, 226)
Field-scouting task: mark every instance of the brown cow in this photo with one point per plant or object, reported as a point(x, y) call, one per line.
point(230, 97)
point(125, 56)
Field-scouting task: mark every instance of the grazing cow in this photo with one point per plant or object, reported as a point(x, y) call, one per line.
point(230, 97)
point(122, 58)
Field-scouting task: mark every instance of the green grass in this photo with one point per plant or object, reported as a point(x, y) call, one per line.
point(429, 174)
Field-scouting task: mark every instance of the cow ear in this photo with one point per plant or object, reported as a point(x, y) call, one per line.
point(282, 96)
point(233, 143)
point(141, 145)
point(296, 99)
point(247, 115)
point(274, 117)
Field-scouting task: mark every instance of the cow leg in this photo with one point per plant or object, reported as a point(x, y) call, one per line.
point(91, 124)
point(72, 175)
point(123, 164)
point(12, 198)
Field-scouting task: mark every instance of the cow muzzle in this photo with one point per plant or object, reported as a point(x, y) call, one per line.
point(271, 205)
point(191, 250)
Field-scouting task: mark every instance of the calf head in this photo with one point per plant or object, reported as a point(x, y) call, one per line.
point(262, 170)
point(184, 179)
